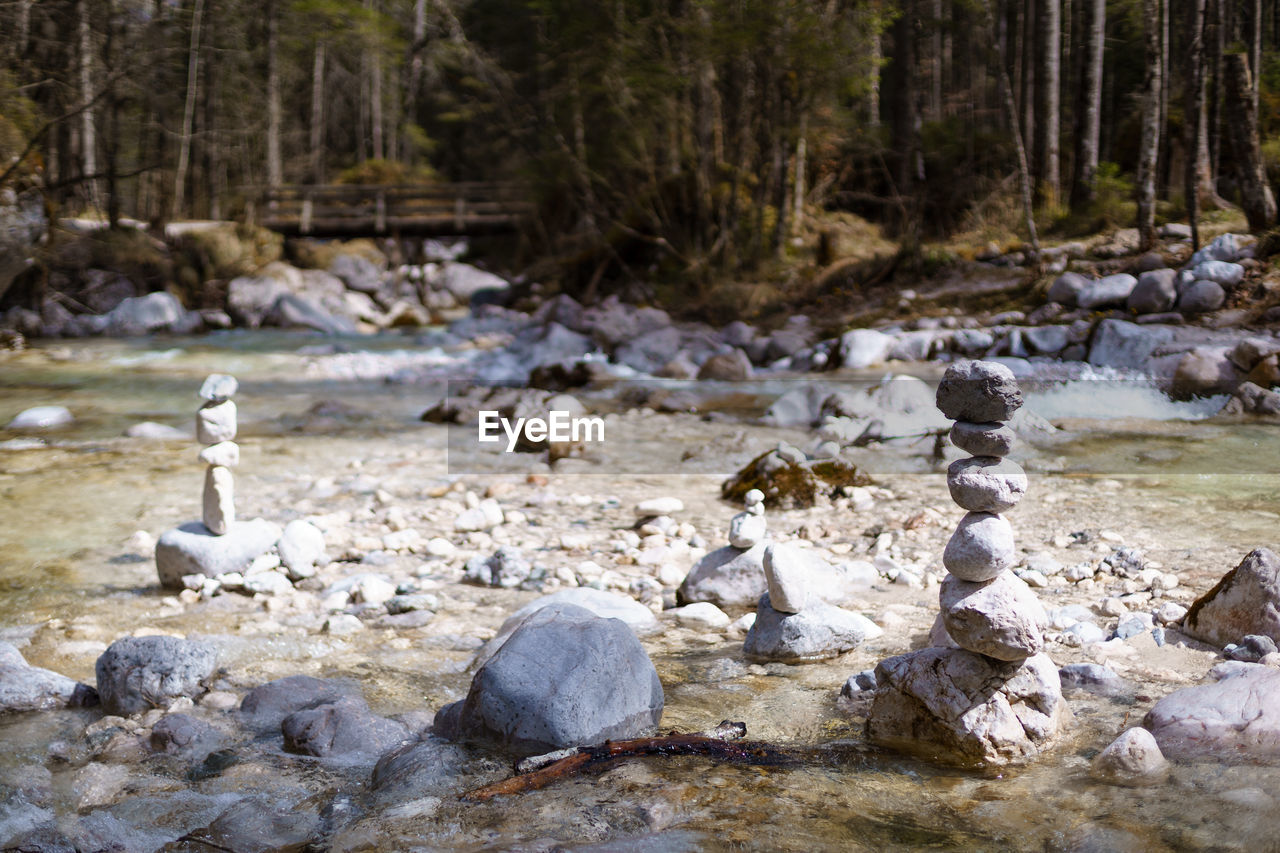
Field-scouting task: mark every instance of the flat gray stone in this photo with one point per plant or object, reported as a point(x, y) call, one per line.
point(1001, 618)
point(191, 549)
point(136, 674)
point(820, 631)
point(989, 439)
point(978, 391)
point(344, 728)
point(265, 707)
point(981, 547)
point(726, 577)
point(986, 483)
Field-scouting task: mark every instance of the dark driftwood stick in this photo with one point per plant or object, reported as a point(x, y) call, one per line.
point(718, 743)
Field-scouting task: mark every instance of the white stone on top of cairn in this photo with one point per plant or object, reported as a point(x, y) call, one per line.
point(748, 529)
point(218, 387)
point(219, 501)
point(216, 422)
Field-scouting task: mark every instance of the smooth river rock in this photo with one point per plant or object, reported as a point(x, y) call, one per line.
point(564, 678)
point(1246, 601)
point(981, 547)
point(345, 729)
point(726, 577)
point(136, 674)
point(986, 483)
point(1233, 720)
point(224, 453)
point(218, 387)
point(1001, 618)
point(29, 688)
point(978, 391)
point(301, 549)
point(266, 706)
point(41, 417)
point(1132, 759)
point(789, 572)
point(989, 439)
point(216, 422)
point(191, 549)
point(961, 707)
point(820, 631)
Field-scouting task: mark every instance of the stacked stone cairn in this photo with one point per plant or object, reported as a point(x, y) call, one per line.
point(990, 696)
point(733, 576)
point(216, 430)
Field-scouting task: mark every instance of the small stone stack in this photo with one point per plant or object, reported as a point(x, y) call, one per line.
point(732, 576)
point(216, 429)
point(996, 698)
point(748, 529)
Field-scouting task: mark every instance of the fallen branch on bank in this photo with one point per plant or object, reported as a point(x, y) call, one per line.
point(722, 743)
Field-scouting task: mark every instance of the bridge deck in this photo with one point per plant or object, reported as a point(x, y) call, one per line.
point(362, 210)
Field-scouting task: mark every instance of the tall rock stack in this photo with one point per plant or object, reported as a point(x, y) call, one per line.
point(216, 429)
point(996, 698)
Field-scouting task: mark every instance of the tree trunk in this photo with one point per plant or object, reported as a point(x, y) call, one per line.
point(209, 126)
point(1164, 179)
point(873, 84)
point(802, 164)
point(1210, 141)
point(88, 133)
point(1149, 147)
point(22, 28)
point(904, 99)
point(1028, 101)
point(317, 115)
point(1011, 116)
point(415, 66)
point(188, 112)
point(1089, 104)
point(1049, 27)
point(1242, 128)
point(275, 166)
point(375, 91)
point(112, 147)
point(1197, 158)
point(1253, 35)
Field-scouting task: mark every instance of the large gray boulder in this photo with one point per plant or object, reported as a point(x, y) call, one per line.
point(357, 272)
point(136, 674)
point(818, 632)
point(726, 577)
point(1201, 297)
point(1113, 290)
point(564, 678)
point(344, 729)
point(29, 688)
point(1236, 719)
point(1119, 343)
point(299, 311)
point(155, 312)
point(1155, 292)
point(250, 297)
point(1066, 288)
point(190, 549)
point(428, 767)
point(1204, 372)
point(465, 281)
point(266, 706)
point(1246, 601)
point(961, 707)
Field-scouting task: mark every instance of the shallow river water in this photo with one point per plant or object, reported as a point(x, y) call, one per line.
point(313, 423)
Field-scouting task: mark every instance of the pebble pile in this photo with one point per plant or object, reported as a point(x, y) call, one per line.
point(996, 698)
point(216, 430)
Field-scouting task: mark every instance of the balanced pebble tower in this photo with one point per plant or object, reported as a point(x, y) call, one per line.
point(990, 696)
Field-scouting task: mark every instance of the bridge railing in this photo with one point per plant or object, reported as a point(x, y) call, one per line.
point(352, 209)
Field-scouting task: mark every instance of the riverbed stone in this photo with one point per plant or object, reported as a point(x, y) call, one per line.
point(1233, 720)
point(864, 348)
point(978, 391)
point(344, 728)
point(1201, 297)
point(1133, 758)
point(218, 387)
point(986, 439)
point(961, 707)
point(216, 422)
point(1047, 340)
point(301, 549)
point(986, 483)
point(185, 735)
point(1001, 618)
point(219, 509)
point(191, 549)
point(1111, 290)
point(1155, 292)
point(1067, 288)
point(1245, 601)
point(136, 674)
point(506, 568)
point(225, 454)
point(820, 631)
point(564, 678)
point(981, 547)
point(726, 577)
point(1222, 272)
point(731, 366)
point(41, 417)
point(266, 706)
point(29, 688)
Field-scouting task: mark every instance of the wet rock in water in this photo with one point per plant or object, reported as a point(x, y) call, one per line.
point(265, 707)
point(154, 431)
point(136, 674)
point(345, 729)
point(301, 549)
point(818, 632)
point(1246, 601)
point(428, 766)
point(564, 678)
point(1236, 719)
point(979, 392)
point(606, 605)
point(1251, 648)
point(41, 417)
point(1092, 677)
point(1134, 758)
point(859, 683)
point(183, 734)
point(191, 549)
point(1001, 618)
point(986, 483)
point(959, 706)
point(789, 480)
point(989, 439)
point(702, 616)
point(1155, 292)
point(1112, 290)
point(1251, 399)
point(216, 422)
point(731, 366)
point(1203, 372)
point(981, 547)
point(726, 577)
point(506, 568)
point(258, 825)
point(29, 688)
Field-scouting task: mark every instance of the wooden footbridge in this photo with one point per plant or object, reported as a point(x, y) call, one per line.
point(358, 210)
